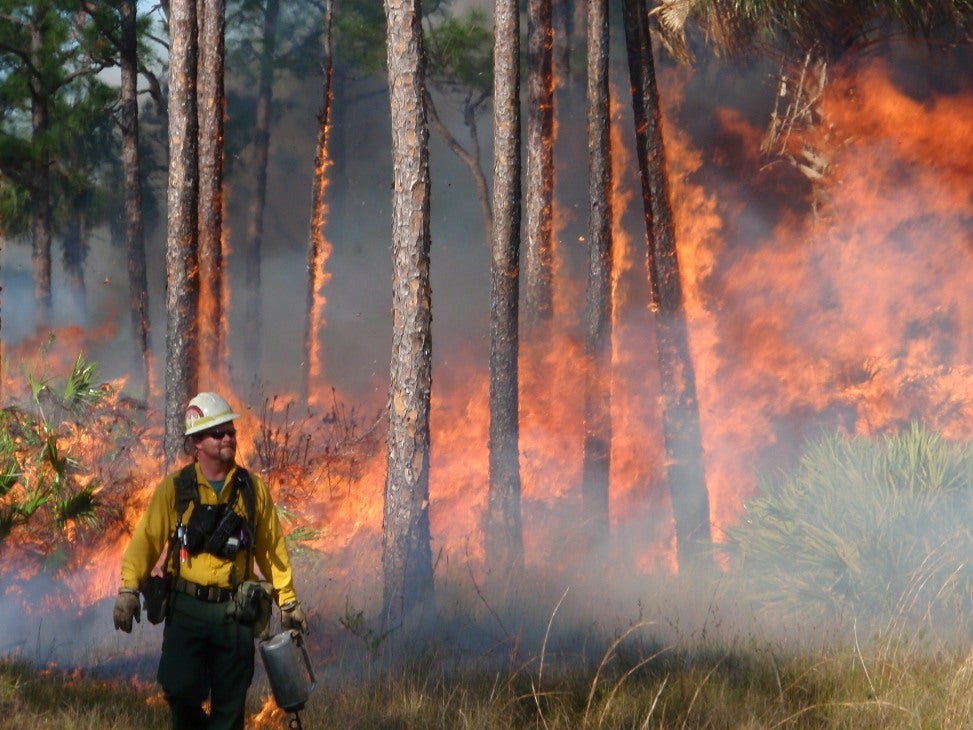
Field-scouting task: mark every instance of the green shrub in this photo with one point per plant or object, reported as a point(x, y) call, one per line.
point(863, 528)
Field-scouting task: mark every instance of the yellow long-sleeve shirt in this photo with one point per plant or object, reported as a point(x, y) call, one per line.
point(159, 523)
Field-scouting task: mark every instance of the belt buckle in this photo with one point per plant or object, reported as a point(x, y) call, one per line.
point(202, 593)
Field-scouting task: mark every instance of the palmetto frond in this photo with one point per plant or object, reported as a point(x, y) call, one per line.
point(867, 525)
point(80, 507)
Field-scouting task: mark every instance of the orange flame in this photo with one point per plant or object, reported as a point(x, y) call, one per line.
point(319, 275)
point(857, 320)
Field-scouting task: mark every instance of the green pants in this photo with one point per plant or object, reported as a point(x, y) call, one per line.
point(205, 654)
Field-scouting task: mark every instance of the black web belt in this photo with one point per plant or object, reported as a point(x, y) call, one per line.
point(210, 594)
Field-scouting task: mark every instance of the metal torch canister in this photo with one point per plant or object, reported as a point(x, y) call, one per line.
point(289, 669)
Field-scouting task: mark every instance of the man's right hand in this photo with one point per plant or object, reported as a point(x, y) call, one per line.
point(127, 606)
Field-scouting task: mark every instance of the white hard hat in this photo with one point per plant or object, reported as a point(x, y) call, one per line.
point(207, 410)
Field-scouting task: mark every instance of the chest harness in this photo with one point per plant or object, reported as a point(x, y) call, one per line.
point(217, 529)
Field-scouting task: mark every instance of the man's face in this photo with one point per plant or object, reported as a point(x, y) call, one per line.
point(218, 443)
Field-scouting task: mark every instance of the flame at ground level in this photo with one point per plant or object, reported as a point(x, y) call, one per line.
point(855, 318)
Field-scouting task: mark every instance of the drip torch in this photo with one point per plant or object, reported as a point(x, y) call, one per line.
point(289, 671)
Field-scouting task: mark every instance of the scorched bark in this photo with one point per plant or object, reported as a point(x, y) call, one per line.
point(317, 243)
point(538, 271)
point(680, 410)
point(182, 274)
point(212, 26)
point(131, 166)
point(598, 304)
point(406, 555)
point(503, 535)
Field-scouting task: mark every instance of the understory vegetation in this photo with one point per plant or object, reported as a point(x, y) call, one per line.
point(842, 600)
point(863, 530)
point(742, 687)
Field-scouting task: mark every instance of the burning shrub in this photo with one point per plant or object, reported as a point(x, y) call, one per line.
point(57, 450)
point(36, 471)
point(877, 529)
point(315, 455)
point(327, 445)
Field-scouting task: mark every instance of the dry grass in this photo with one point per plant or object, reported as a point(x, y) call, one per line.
point(636, 683)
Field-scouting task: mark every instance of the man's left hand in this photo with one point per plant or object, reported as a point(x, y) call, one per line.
point(292, 617)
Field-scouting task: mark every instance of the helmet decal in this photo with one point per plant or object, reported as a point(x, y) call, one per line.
point(193, 414)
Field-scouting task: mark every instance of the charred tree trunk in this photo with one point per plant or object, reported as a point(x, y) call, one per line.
point(598, 303)
point(40, 175)
point(138, 287)
point(680, 409)
point(538, 269)
point(74, 250)
point(211, 109)
point(503, 533)
point(182, 273)
point(261, 148)
point(406, 553)
point(318, 246)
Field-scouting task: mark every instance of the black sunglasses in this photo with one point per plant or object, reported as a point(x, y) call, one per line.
point(219, 433)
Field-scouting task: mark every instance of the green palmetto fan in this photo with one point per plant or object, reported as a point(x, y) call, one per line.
point(80, 390)
point(10, 472)
point(38, 476)
point(79, 507)
point(867, 528)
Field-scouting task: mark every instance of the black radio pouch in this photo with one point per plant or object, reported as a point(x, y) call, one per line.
point(202, 522)
point(227, 537)
point(155, 596)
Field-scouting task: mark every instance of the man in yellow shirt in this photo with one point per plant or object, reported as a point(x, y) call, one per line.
point(216, 519)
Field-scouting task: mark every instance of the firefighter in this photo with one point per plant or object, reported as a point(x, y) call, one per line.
point(208, 639)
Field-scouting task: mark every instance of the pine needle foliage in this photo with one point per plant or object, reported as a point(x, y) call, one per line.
point(873, 529)
point(460, 52)
point(831, 26)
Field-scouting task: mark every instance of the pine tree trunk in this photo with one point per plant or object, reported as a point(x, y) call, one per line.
point(261, 150)
point(212, 25)
point(319, 250)
point(131, 167)
point(503, 533)
point(598, 303)
point(74, 253)
point(40, 176)
point(182, 274)
point(538, 265)
point(406, 554)
point(680, 416)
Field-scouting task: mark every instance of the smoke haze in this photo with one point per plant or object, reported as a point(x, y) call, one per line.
point(795, 290)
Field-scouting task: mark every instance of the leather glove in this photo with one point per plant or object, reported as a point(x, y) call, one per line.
point(292, 617)
point(127, 606)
